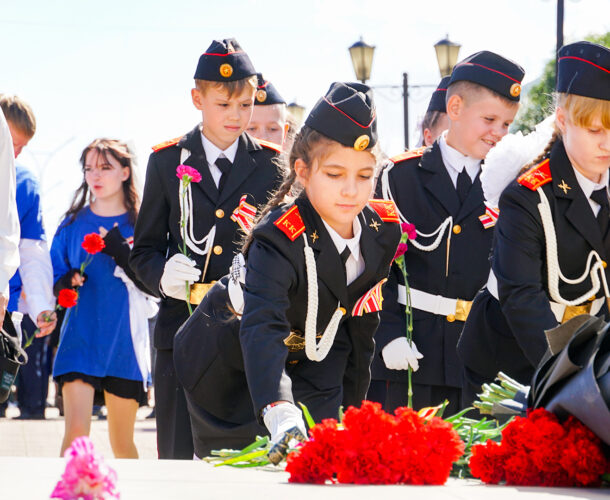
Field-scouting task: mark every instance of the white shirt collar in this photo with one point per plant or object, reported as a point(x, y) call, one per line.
point(352, 243)
point(452, 158)
point(588, 186)
point(212, 152)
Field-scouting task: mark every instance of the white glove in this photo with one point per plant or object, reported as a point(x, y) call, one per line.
point(283, 417)
point(179, 270)
point(399, 355)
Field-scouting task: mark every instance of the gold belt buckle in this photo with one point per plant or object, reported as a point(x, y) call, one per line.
point(199, 290)
point(572, 311)
point(462, 309)
point(296, 341)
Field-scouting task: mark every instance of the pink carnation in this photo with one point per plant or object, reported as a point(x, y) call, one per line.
point(409, 229)
point(86, 475)
point(402, 248)
point(191, 173)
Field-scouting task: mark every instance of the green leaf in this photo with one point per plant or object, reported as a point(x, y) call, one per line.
point(308, 418)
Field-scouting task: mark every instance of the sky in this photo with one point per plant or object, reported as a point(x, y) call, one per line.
point(124, 69)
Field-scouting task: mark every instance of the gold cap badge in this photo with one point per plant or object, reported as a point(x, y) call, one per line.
point(261, 95)
point(515, 89)
point(226, 70)
point(361, 143)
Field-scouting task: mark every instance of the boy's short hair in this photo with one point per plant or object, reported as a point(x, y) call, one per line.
point(19, 114)
point(236, 87)
point(471, 92)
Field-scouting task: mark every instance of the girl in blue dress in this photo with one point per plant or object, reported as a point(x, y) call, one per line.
point(104, 339)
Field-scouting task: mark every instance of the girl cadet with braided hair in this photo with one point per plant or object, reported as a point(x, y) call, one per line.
point(294, 320)
point(551, 246)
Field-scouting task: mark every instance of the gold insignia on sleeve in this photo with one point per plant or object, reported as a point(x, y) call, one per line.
point(515, 89)
point(374, 225)
point(362, 142)
point(226, 70)
point(563, 186)
point(314, 236)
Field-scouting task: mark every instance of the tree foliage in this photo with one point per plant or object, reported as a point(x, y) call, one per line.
point(538, 103)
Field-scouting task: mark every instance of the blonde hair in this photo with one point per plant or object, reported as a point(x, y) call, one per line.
point(236, 87)
point(19, 114)
point(471, 92)
point(309, 145)
point(581, 111)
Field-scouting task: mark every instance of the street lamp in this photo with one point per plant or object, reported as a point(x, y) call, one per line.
point(446, 54)
point(362, 59)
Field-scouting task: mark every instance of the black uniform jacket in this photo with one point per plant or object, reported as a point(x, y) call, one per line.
point(509, 335)
point(425, 195)
point(157, 234)
point(232, 369)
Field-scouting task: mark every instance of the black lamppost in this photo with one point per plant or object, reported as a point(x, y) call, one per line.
point(362, 60)
point(559, 35)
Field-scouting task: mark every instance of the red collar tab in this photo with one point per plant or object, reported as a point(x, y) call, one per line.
point(537, 176)
point(270, 145)
point(386, 209)
point(291, 223)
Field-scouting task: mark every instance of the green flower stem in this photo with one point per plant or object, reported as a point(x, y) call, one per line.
point(409, 317)
point(185, 182)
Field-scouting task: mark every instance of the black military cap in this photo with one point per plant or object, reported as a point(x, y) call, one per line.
point(266, 93)
point(584, 69)
point(492, 71)
point(224, 61)
point(347, 115)
point(438, 99)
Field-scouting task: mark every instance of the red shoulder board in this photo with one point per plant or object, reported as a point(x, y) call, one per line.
point(291, 223)
point(270, 145)
point(166, 144)
point(385, 209)
point(536, 176)
point(407, 155)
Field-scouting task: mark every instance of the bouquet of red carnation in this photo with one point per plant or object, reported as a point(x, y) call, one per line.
point(539, 450)
point(375, 447)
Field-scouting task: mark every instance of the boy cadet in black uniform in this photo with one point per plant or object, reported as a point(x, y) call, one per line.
point(237, 176)
point(270, 115)
point(439, 191)
point(435, 120)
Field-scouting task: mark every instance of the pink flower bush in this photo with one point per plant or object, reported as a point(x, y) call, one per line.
point(191, 173)
point(86, 477)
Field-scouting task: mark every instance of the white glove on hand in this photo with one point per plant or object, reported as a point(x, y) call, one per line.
point(178, 270)
point(281, 418)
point(399, 355)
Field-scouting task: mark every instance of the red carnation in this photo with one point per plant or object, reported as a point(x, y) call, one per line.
point(400, 250)
point(67, 298)
point(93, 243)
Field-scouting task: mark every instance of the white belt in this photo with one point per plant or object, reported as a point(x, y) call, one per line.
point(562, 312)
point(436, 304)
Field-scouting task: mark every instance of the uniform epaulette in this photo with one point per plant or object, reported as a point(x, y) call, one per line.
point(537, 176)
point(407, 155)
point(166, 144)
point(291, 223)
point(386, 209)
point(270, 145)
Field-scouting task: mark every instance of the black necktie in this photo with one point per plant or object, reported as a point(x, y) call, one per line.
point(344, 256)
point(224, 165)
point(464, 183)
point(601, 198)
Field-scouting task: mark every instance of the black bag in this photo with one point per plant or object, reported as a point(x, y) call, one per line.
point(12, 356)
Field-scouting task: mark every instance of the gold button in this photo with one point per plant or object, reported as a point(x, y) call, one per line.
point(217, 250)
point(451, 318)
point(605, 264)
point(457, 229)
point(220, 213)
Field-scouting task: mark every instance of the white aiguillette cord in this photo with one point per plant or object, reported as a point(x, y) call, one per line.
point(386, 192)
point(186, 207)
point(320, 351)
point(594, 271)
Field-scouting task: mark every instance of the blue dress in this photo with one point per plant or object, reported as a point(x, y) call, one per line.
point(96, 335)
